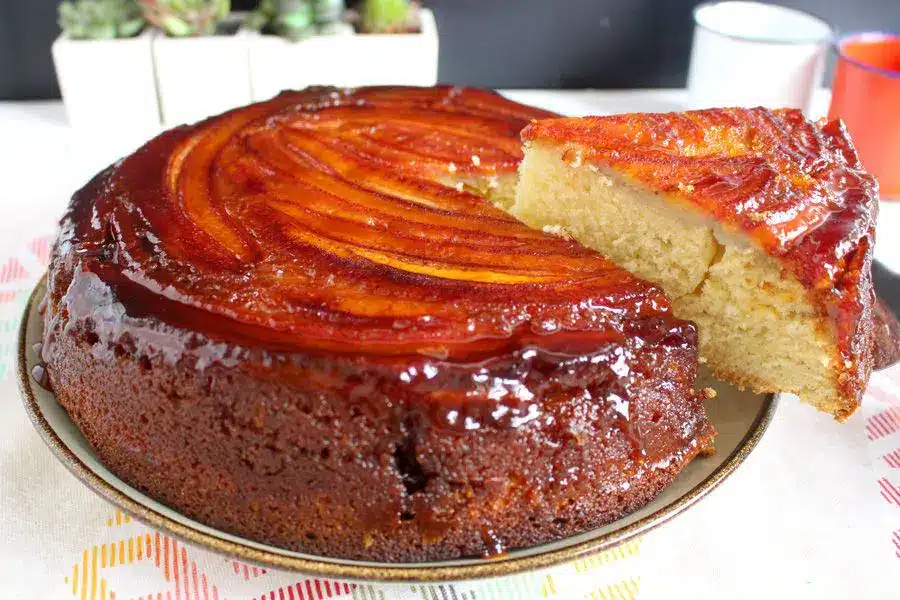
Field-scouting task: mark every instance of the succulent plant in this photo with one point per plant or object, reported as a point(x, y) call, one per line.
point(292, 19)
point(100, 19)
point(328, 11)
point(389, 16)
point(181, 18)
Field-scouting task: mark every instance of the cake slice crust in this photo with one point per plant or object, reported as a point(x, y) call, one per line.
point(758, 224)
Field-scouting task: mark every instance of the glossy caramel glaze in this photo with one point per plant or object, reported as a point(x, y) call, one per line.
point(795, 188)
point(313, 222)
point(353, 355)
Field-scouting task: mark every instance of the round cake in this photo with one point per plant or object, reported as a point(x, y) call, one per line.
point(307, 322)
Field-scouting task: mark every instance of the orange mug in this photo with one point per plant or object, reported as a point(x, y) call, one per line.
point(866, 95)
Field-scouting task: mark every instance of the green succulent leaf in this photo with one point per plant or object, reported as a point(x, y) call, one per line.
point(385, 15)
point(180, 18)
point(176, 26)
point(100, 19)
point(131, 28)
point(328, 11)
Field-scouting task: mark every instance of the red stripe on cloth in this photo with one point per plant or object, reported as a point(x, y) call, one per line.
point(196, 580)
point(12, 271)
point(184, 574)
point(166, 557)
point(897, 542)
point(884, 423)
point(889, 491)
point(175, 570)
point(893, 459)
point(40, 247)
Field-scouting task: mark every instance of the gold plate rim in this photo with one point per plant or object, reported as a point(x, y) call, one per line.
point(386, 571)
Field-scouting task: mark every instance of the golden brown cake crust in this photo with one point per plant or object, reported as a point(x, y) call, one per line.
point(796, 188)
point(277, 323)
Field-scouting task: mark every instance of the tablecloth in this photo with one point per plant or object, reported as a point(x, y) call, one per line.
point(814, 512)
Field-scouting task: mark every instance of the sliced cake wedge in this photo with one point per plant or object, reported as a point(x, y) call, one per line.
point(759, 225)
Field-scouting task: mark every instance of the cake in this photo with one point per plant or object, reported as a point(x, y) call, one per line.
point(758, 224)
point(306, 322)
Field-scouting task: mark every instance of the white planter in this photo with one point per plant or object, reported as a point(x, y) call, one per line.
point(108, 85)
point(201, 76)
point(344, 60)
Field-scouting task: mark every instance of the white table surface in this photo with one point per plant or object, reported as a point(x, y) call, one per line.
point(787, 524)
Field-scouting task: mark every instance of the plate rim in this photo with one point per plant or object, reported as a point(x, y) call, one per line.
point(384, 572)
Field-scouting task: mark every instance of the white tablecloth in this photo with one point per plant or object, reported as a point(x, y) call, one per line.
point(813, 513)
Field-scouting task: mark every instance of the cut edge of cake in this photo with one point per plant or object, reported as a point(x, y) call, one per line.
point(775, 341)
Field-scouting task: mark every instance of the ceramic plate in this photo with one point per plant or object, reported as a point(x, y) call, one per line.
point(740, 417)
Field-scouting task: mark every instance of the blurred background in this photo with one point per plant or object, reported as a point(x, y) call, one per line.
point(598, 44)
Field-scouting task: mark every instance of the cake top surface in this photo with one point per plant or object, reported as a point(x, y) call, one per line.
point(337, 220)
point(770, 174)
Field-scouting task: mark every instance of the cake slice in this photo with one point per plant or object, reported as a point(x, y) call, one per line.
point(758, 224)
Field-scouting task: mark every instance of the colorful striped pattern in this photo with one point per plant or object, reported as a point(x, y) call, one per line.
point(621, 552)
point(184, 579)
point(12, 271)
point(430, 592)
point(248, 571)
point(309, 589)
point(17, 276)
point(118, 519)
point(884, 423)
point(893, 459)
point(626, 590)
point(889, 491)
point(40, 247)
point(883, 431)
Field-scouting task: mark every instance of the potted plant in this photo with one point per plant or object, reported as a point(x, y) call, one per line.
point(201, 58)
point(319, 42)
point(104, 66)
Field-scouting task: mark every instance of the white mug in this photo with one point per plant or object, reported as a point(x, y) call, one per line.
point(755, 54)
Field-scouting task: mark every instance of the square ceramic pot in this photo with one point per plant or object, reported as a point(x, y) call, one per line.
point(108, 85)
point(354, 60)
point(201, 76)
